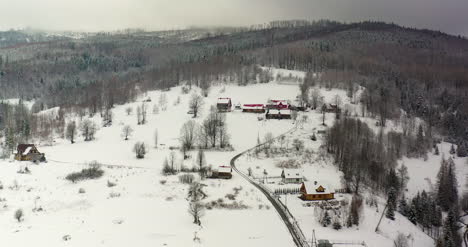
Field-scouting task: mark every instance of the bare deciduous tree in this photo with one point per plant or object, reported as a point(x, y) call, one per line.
point(315, 98)
point(195, 104)
point(127, 131)
point(197, 210)
point(188, 135)
point(88, 129)
point(201, 163)
point(71, 131)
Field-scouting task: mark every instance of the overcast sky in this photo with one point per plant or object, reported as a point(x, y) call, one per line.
point(102, 15)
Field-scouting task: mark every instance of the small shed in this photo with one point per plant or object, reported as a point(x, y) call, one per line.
point(313, 191)
point(291, 176)
point(278, 114)
point(224, 172)
point(28, 152)
point(224, 104)
point(255, 108)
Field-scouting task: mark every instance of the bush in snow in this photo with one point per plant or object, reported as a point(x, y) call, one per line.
point(401, 241)
point(163, 182)
point(167, 169)
point(290, 164)
point(81, 191)
point(336, 224)
point(186, 178)
point(114, 194)
point(110, 184)
point(298, 145)
point(19, 215)
point(93, 172)
point(140, 150)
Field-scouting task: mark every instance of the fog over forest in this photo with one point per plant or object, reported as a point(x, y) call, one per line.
point(104, 15)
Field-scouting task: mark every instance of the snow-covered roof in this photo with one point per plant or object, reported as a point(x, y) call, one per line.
point(292, 173)
point(224, 100)
point(282, 111)
point(224, 169)
point(253, 106)
point(26, 151)
point(311, 188)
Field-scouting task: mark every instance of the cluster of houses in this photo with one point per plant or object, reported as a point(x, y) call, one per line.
point(273, 109)
point(310, 191)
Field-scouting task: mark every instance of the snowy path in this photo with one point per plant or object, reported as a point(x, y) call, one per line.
point(293, 228)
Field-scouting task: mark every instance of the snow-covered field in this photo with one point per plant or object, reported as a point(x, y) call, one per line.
point(145, 208)
point(140, 209)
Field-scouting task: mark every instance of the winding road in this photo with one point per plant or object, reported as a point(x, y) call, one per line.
point(293, 228)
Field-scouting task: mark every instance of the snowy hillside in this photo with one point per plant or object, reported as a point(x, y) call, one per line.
point(135, 204)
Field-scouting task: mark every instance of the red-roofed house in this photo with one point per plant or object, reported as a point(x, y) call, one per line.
point(255, 108)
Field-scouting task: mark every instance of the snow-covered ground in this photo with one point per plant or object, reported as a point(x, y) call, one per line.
point(146, 208)
point(140, 209)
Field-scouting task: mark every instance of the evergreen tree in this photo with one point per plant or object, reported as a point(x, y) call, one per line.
point(452, 149)
point(391, 204)
point(447, 191)
point(412, 214)
point(436, 150)
point(326, 220)
point(436, 216)
point(403, 207)
point(461, 149)
point(392, 181)
point(420, 141)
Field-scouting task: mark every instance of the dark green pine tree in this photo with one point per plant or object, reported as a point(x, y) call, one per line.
point(452, 149)
point(403, 207)
point(391, 204)
point(412, 214)
point(461, 149)
point(393, 181)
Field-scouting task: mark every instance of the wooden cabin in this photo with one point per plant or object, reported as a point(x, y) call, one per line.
point(312, 191)
point(255, 108)
point(224, 172)
point(278, 114)
point(291, 176)
point(28, 152)
point(224, 104)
